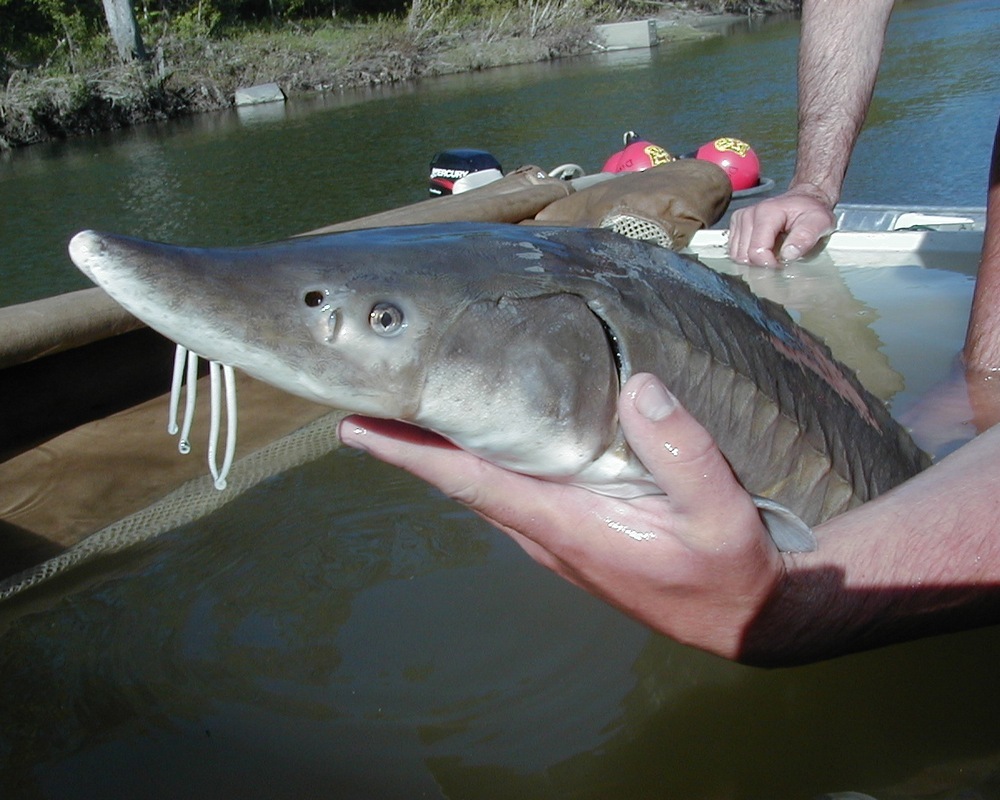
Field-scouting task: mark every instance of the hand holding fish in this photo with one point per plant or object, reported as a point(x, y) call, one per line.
point(696, 564)
point(791, 224)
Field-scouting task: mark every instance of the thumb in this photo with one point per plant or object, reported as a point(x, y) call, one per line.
point(805, 233)
point(681, 455)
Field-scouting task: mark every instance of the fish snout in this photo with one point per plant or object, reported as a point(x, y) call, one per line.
point(87, 249)
point(110, 260)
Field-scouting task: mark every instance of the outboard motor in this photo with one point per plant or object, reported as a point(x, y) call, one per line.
point(449, 166)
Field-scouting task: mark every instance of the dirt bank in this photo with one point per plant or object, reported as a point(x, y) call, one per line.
point(195, 73)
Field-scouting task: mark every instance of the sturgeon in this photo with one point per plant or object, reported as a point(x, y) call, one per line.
point(513, 342)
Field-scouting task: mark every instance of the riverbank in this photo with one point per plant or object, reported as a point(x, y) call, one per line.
point(193, 71)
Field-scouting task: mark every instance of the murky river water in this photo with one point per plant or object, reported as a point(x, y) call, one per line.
point(341, 630)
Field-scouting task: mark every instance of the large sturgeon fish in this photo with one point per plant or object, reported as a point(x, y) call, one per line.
point(513, 342)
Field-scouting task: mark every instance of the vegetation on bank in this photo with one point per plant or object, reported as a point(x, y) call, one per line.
point(61, 73)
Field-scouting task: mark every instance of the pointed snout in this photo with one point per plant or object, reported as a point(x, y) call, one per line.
point(85, 250)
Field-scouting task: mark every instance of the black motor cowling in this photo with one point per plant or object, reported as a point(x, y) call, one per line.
point(450, 165)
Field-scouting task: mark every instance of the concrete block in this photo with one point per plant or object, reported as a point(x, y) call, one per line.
point(629, 35)
point(264, 93)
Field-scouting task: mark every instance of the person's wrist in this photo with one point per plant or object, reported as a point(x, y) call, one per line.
point(781, 632)
point(814, 191)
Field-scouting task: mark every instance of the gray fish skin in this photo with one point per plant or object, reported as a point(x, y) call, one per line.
point(513, 343)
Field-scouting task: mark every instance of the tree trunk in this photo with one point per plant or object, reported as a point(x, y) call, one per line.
point(413, 19)
point(124, 29)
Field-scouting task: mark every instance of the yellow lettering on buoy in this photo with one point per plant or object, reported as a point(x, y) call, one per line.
point(732, 145)
point(657, 155)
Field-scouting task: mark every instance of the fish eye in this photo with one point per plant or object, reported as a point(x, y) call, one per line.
point(386, 319)
point(314, 299)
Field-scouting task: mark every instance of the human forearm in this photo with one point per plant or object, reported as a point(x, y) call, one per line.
point(921, 560)
point(839, 55)
point(982, 341)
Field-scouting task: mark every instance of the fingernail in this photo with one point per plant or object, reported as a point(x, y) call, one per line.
point(764, 257)
point(351, 435)
point(654, 402)
point(790, 252)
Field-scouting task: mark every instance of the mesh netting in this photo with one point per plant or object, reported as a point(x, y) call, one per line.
point(189, 502)
point(638, 228)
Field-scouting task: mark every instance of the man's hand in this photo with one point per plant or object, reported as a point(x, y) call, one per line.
point(695, 563)
point(791, 224)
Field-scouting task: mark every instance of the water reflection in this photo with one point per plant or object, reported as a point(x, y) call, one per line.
point(927, 106)
point(262, 113)
point(154, 190)
point(865, 310)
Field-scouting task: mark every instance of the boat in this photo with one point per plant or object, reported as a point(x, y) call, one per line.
point(86, 391)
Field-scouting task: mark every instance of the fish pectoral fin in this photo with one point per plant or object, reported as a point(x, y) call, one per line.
point(787, 530)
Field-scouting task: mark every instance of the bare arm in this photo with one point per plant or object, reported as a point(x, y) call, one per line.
point(922, 559)
point(696, 563)
point(982, 341)
point(839, 55)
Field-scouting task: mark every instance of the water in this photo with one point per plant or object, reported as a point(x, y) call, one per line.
point(228, 179)
point(343, 631)
point(865, 314)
